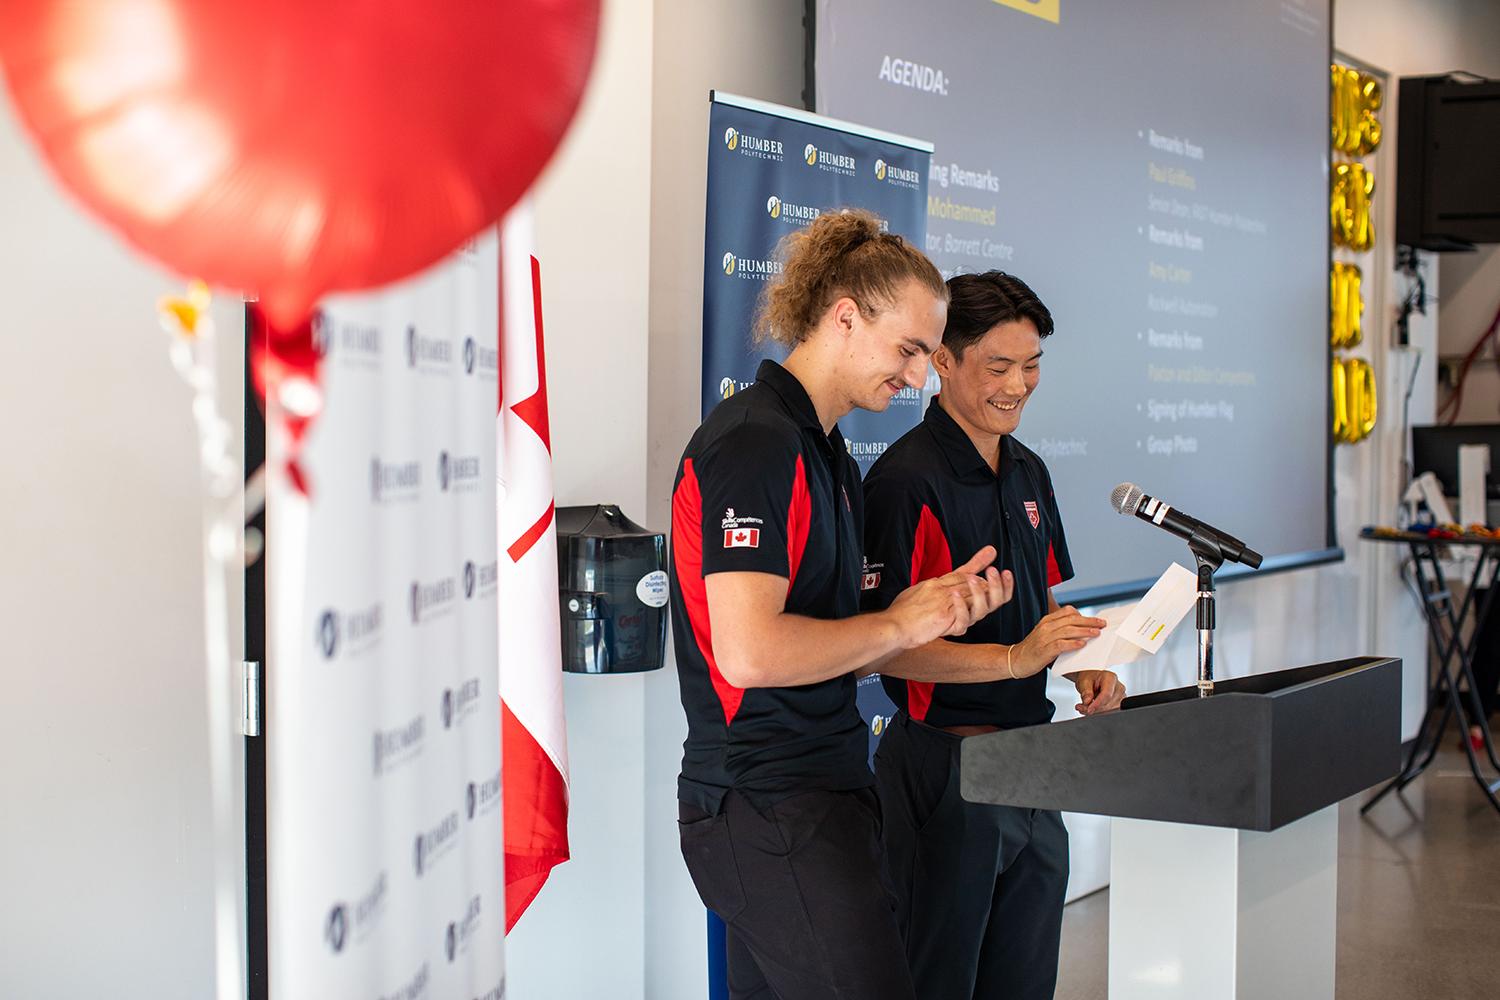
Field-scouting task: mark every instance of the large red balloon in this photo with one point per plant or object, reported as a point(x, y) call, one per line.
point(296, 147)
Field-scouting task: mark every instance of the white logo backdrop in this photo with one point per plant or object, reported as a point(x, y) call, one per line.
point(383, 784)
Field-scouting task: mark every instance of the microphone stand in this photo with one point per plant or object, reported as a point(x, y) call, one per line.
point(1210, 557)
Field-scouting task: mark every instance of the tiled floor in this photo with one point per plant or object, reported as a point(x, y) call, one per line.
point(1419, 899)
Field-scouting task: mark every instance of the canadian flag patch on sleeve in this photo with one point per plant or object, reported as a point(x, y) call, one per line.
point(742, 538)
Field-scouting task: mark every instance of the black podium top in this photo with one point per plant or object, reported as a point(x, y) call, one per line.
point(1261, 752)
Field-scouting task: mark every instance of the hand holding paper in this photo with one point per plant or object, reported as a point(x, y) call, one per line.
point(1056, 634)
point(1136, 630)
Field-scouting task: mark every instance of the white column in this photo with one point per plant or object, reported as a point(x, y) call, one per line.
point(1206, 913)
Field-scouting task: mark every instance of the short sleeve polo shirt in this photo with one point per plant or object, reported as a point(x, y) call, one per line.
point(931, 502)
point(762, 489)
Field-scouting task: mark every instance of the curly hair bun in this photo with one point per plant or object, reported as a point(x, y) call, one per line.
point(843, 253)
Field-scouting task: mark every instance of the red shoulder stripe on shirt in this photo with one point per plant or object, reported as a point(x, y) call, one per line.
point(798, 523)
point(687, 554)
point(930, 558)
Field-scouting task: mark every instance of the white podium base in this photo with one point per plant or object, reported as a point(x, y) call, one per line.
point(1205, 913)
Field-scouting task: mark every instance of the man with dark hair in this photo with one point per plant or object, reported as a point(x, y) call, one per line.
point(979, 888)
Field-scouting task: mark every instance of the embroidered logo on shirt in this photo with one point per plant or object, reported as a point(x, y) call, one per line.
point(744, 538)
point(870, 578)
point(731, 520)
point(1033, 514)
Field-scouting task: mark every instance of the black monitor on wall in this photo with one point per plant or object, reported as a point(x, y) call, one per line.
point(1447, 148)
point(1435, 449)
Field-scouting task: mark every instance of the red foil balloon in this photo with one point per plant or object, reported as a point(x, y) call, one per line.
point(292, 148)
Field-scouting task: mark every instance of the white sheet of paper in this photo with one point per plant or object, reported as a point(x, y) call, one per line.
point(1473, 469)
point(1167, 602)
point(1109, 650)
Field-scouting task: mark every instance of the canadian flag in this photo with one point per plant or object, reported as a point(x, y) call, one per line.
point(742, 538)
point(534, 749)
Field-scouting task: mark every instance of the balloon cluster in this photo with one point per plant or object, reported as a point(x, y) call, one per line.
point(1355, 100)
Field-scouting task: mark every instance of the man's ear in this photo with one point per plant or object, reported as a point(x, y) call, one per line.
point(845, 313)
point(944, 361)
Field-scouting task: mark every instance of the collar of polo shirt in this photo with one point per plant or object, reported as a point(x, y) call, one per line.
point(785, 385)
point(958, 448)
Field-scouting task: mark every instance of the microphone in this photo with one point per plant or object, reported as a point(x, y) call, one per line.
point(1128, 499)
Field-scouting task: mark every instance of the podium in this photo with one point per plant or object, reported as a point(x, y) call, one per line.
point(1224, 846)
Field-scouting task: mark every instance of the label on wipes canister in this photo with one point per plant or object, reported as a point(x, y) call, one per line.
point(652, 589)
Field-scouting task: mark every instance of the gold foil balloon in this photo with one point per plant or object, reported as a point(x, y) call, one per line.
point(1354, 100)
point(1369, 135)
point(1349, 206)
point(1346, 306)
point(1354, 407)
point(1340, 387)
point(1362, 409)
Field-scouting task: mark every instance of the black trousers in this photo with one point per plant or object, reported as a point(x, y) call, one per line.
point(800, 888)
point(979, 888)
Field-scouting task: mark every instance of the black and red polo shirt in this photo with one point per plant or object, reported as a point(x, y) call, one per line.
point(931, 502)
point(762, 489)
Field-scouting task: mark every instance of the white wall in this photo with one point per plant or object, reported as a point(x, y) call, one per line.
point(583, 936)
point(105, 842)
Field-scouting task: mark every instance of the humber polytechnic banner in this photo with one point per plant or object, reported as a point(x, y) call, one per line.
point(383, 787)
point(771, 171)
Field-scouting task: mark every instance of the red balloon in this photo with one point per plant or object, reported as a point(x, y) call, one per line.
point(291, 148)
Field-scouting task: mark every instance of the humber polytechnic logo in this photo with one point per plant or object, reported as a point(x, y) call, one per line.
point(328, 634)
point(773, 207)
point(729, 263)
point(880, 170)
point(731, 138)
point(468, 355)
point(468, 579)
point(337, 929)
point(810, 154)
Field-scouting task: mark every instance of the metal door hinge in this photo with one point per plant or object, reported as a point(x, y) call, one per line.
point(250, 717)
